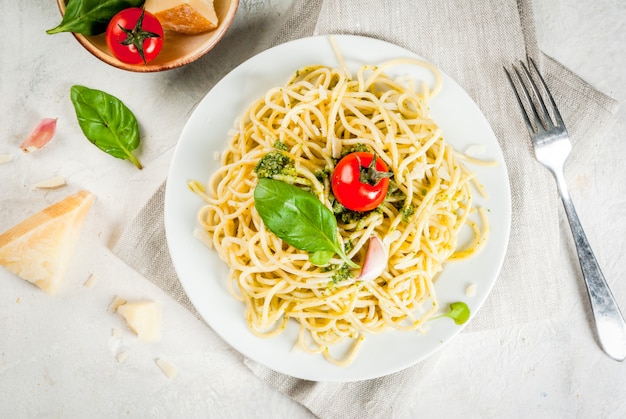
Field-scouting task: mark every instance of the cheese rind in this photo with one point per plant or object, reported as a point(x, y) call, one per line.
point(39, 248)
point(184, 16)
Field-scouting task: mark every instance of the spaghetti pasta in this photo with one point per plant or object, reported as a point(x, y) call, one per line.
point(320, 114)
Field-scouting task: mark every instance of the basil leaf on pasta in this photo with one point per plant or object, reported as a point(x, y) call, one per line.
point(321, 257)
point(298, 218)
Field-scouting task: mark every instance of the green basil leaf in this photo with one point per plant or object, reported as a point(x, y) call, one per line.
point(321, 257)
point(298, 218)
point(91, 17)
point(459, 312)
point(106, 122)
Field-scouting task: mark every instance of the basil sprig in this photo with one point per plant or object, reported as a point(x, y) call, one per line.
point(300, 219)
point(459, 312)
point(91, 17)
point(106, 122)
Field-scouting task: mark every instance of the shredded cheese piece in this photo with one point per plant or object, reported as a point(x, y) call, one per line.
point(168, 369)
point(121, 356)
point(5, 158)
point(470, 291)
point(52, 183)
point(117, 301)
point(91, 281)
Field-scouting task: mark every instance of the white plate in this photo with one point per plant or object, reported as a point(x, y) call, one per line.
point(203, 275)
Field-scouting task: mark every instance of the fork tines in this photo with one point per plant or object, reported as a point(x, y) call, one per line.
point(531, 100)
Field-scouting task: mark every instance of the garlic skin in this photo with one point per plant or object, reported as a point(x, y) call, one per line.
point(41, 135)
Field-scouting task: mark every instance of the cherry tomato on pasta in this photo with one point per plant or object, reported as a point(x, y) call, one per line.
point(359, 182)
point(134, 36)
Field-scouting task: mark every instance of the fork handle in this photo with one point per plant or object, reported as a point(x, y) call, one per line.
point(609, 321)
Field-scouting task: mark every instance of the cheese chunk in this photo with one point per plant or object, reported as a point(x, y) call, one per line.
point(143, 318)
point(184, 16)
point(39, 248)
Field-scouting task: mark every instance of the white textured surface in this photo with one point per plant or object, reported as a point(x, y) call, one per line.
point(58, 355)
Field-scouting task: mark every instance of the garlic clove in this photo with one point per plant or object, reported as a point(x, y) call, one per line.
point(41, 135)
point(376, 260)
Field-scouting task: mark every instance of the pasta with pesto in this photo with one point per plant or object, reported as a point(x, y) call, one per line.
point(318, 116)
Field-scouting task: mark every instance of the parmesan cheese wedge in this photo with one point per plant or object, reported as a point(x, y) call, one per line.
point(184, 16)
point(39, 248)
point(143, 318)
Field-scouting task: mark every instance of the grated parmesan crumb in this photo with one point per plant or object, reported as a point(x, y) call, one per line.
point(91, 281)
point(117, 301)
point(52, 183)
point(475, 150)
point(5, 158)
point(405, 264)
point(168, 369)
point(121, 356)
point(443, 173)
point(470, 291)
point(115, 332)
point(392, 237)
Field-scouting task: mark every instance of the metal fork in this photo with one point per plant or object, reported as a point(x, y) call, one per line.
point(552, 146)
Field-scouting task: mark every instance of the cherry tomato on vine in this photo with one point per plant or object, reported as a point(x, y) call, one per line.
point(359, 182)
point(134, 36)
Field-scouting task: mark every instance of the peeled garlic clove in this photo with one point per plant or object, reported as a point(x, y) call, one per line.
point(41, 135)
point(376, 260)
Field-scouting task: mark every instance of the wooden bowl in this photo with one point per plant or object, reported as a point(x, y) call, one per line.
point(178, 49)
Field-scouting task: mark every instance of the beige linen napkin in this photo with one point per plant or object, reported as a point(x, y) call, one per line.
point(471, 42)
